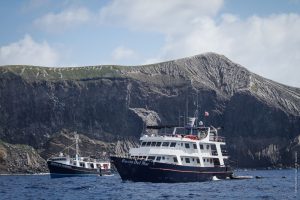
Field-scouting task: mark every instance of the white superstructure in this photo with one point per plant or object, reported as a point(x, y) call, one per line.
point(191, 145)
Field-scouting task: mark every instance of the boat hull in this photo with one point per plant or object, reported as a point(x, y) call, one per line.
point(148, 171)
point(58, 170)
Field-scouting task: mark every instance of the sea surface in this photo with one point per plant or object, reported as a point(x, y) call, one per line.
point(272, 184)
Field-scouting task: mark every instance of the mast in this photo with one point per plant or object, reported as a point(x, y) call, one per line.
point(197, 107)
point(77, 148)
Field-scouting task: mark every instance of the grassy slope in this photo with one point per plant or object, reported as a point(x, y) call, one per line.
point(67, 73)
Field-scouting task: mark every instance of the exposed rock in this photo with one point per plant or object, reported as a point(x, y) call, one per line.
point(20, 159)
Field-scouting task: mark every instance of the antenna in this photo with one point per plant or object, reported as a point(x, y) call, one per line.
point(77, 148)
point(197, 107)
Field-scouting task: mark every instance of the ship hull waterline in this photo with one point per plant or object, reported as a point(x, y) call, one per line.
point(59, 170)
point(148, 171)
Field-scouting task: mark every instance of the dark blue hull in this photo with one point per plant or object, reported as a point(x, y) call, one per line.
point(148, 171)
point(58, 170)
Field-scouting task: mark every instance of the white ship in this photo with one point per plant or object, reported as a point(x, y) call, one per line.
point(189, 154)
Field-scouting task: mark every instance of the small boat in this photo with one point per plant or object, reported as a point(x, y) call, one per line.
point(191, 153)
point(64, 165)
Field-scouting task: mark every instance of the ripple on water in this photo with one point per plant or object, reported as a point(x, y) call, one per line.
point(42, 187)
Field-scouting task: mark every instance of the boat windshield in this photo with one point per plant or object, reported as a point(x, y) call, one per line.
point(201, 131)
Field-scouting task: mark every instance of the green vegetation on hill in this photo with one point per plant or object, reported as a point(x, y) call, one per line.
point(67, 73)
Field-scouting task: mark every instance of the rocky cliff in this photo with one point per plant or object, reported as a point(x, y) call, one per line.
point(20, 159)
point(261, 118)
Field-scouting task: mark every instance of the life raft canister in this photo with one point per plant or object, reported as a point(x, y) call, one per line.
point(192, 137)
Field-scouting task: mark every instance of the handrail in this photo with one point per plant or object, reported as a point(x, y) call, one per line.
point(224, 152)
point(217, 139)
point(214, 152)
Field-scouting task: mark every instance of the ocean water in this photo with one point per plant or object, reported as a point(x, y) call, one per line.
point(274, 184)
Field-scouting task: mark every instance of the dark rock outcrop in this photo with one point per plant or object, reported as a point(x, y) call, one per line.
point(261, 117)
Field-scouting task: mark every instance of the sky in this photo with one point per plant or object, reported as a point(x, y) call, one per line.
point(261, 35)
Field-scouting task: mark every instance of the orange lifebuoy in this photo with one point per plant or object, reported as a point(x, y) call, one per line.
point(192, 137)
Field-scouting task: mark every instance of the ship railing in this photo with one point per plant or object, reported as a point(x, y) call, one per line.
point(121, 155)
point(224, 152)
point(214, 152)
point(162, 134)
point(217, 139)
point(219, 165)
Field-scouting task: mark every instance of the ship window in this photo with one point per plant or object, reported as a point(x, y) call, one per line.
point(187, 160)
point(143, 144)
point(187, 145)
point(158, 144)
point(163, 157)
point(151, 157)
point(81, 164)
point(207, 146)
point(181, 144)
point(92, 165)
point(158, 158)
point(181, 159)
point(193, 159)
point(153, 144)
point(144, 157)
point(216, 161)
point(210, 160)
point(173, 144)
point(204, 160)
point(195, 146)
point(165, 144)
point(201, 146)
point(175, 159)
point(148, 144)
point(198, 161)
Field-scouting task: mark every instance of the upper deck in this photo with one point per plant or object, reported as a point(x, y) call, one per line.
point(203, 134)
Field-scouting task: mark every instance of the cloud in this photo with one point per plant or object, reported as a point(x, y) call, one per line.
point(33, 5)
point(69, 18)
point(28, 52)
point(268, 46)
point(167, 16)
point(122, 53)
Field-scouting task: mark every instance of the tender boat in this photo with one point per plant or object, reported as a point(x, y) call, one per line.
point(64, 165)
point(192, 153)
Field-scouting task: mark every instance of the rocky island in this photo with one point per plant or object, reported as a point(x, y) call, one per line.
point(42, 107)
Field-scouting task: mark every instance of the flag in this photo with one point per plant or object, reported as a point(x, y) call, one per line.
point(206, 114)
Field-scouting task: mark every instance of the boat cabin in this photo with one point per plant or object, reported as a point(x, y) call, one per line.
point(189, 146)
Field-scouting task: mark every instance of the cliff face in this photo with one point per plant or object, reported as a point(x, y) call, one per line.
point(261, 117)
